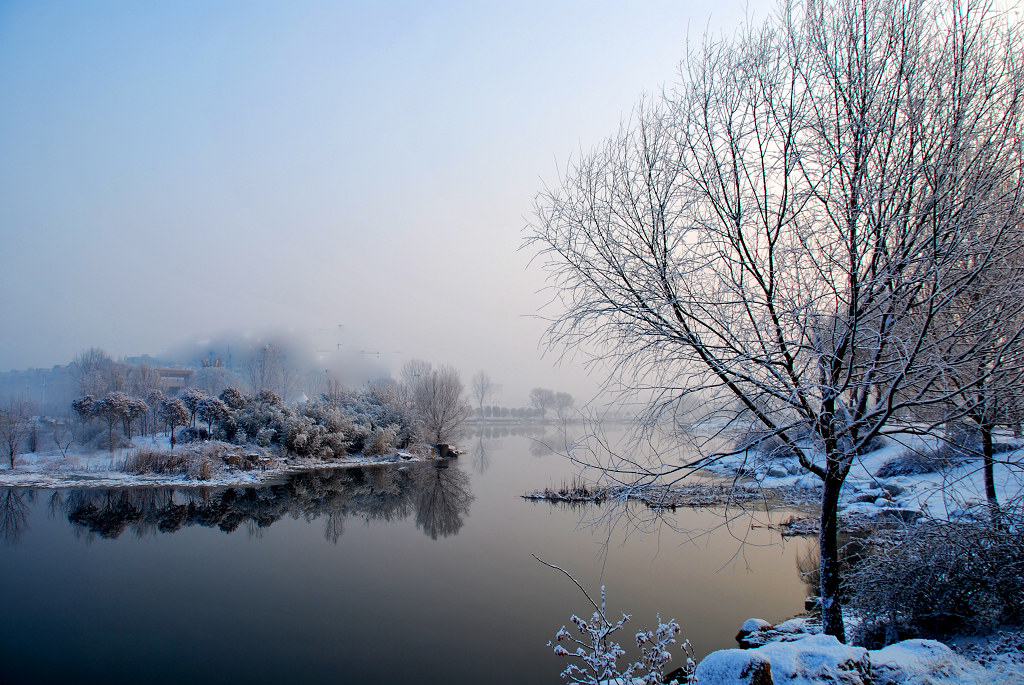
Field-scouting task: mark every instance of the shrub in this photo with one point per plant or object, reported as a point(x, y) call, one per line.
point(194, 464)
point(101, 441)
point(597, 655)
point(937, 579)
point(381, 441)
point(193, 434)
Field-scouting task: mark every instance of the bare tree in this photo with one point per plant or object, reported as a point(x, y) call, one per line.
point(786, 227)
point(96, 373)
point(983, 337)
point(563, 402)
point(482, 389)
point(542, 399)
point(15, 424)
point(264, 369)
point(63, 437)
point(438, 401)
point(412, 371)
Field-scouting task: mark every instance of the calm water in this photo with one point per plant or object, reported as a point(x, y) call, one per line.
point(418, 575)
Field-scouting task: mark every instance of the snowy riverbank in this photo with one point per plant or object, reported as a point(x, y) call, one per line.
point(798, 657)
point(51, 470)
point(943, 491)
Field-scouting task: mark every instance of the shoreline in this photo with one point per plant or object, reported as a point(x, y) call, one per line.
point(98, 470)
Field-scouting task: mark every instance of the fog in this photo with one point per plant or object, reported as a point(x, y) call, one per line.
point(354, 175)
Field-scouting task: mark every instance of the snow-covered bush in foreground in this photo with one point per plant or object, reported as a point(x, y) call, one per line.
point(596, 654)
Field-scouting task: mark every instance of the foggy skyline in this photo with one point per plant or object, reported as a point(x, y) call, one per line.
point(171, 172)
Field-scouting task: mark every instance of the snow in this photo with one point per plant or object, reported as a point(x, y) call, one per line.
point(50, 470)
point(813, 659)
point(944, 495)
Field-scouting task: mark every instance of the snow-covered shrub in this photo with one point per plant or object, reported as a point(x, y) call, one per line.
point(596, 654)
point(382, 441)
point(265, 437)
point(193, 434)
point(937, 579)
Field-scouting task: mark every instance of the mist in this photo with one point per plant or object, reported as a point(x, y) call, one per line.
point(354, 177)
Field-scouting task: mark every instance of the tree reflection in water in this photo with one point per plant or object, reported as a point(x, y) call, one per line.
point(438, 493)
point(443, 497)
point(13, 514)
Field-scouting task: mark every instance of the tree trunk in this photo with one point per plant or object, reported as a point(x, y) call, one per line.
point(988, 451)
point(828, 546)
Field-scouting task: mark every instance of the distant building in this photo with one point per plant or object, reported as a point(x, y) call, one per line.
point(174, 380)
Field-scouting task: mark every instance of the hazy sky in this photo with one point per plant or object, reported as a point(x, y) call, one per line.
point(170, 170)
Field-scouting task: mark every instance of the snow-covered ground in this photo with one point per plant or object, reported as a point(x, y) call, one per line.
point(944, 494)
point(814, 659)
point(795, 654)
point(49, 469)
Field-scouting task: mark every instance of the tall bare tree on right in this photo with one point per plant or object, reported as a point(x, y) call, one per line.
point(787, 227)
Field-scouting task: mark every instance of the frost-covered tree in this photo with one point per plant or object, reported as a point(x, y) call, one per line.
point(233, 398)
point(135, 408)
point(782, 231)
point(83, 406)
point(439, 404)
point(114, 407)
point(155, 398)
point(192, 397)
point(412, 371)
point(212, 410)
point(174, 413)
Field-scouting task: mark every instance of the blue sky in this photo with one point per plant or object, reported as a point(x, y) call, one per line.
point(169, 170)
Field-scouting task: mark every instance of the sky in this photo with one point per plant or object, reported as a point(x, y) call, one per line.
point(358, 173)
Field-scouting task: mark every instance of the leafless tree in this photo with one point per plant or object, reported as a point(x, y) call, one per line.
point(96, 373)
point(263, 370)
point(983, 337)
point(787, 226)
point(542, 399)
point(63, 436)
point(15, 425)
point(563, 402)
point(412, 371)
point(437, 398)
point(482, 389)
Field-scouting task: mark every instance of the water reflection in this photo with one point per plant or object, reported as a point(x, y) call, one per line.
point(14, 515)
point(438, 493)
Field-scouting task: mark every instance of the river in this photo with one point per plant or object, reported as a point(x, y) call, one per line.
point(419, 574)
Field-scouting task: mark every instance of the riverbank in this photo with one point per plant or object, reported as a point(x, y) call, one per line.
point(794, 652)
point(900, 486)
point(900, 482)
point(213, 464)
